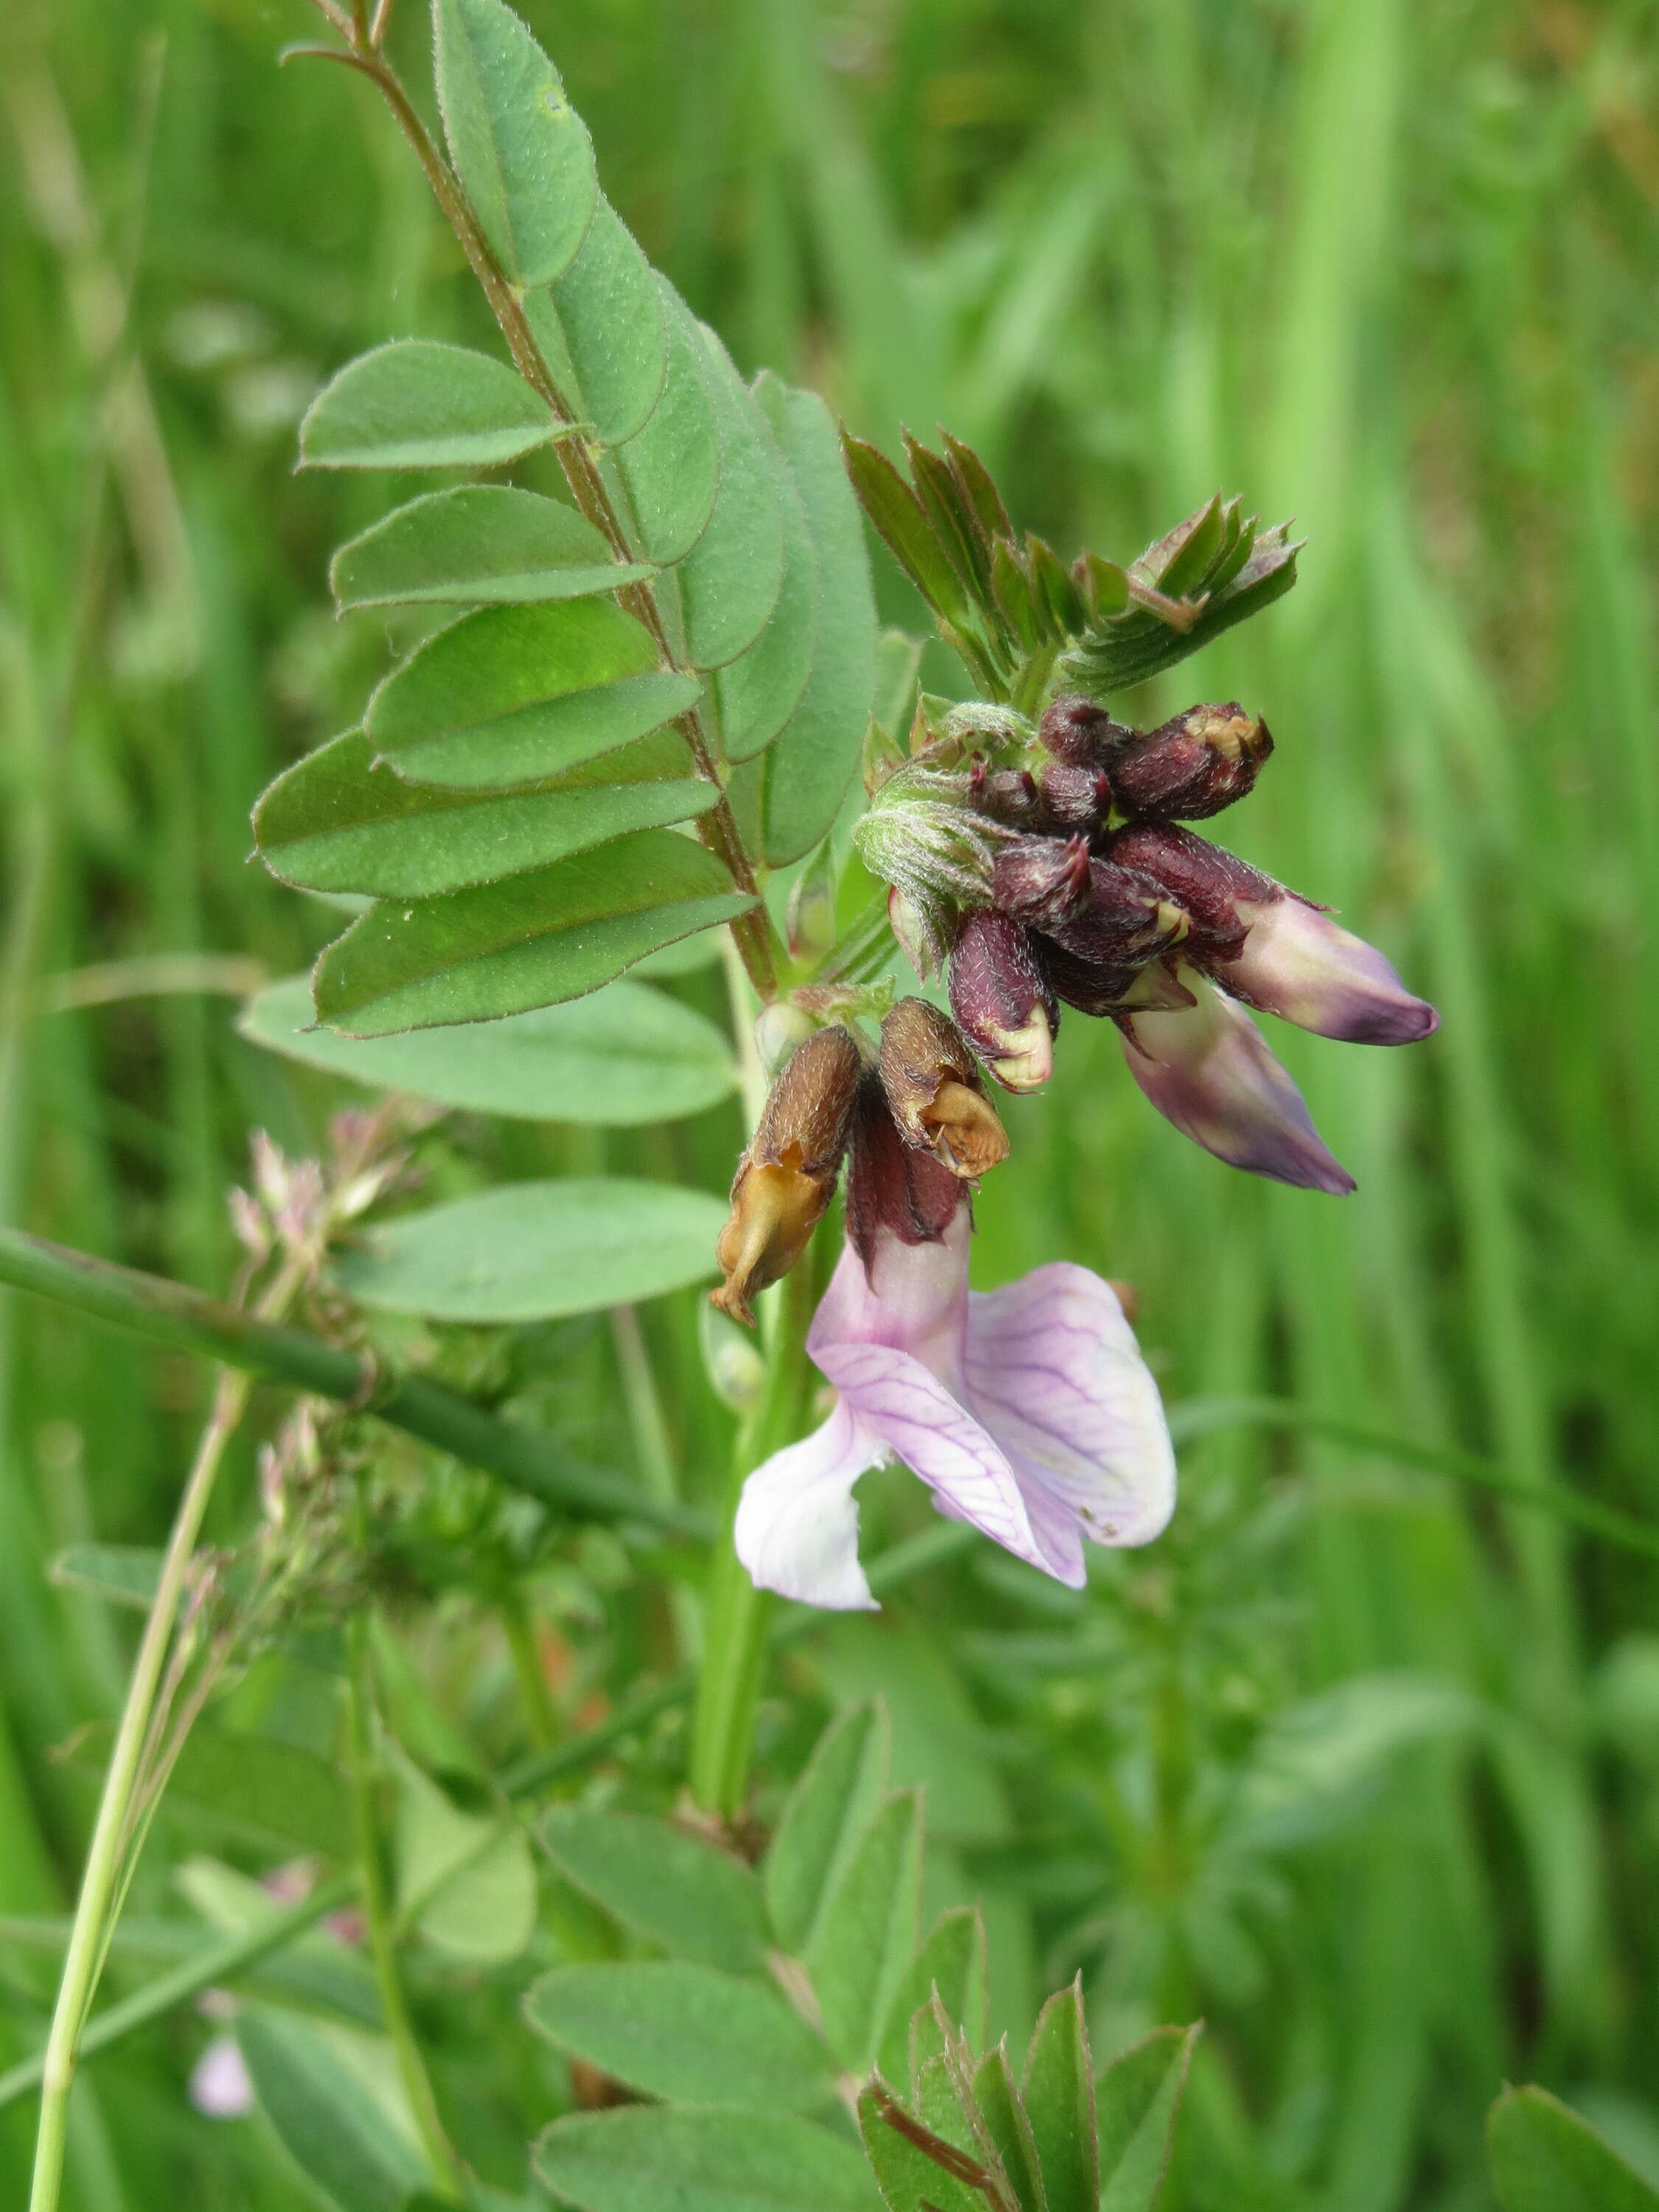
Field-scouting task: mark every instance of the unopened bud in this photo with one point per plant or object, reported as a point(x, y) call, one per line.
point(1008, 795)
point(893, 1185)
point(1072, 796)
point(787, 1176)
point(1074, 729)
point(934, 1091)
point(1200, 877)
point(1193, 765)
point(1001, 1001)
point(1129, 917)
point(1042, 881)
point(1107, 988)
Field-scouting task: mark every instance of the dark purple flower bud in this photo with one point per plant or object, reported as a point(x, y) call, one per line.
point(1274, 950)
point(1001, 1001)
point(1075, 729)
point(891, 1184)
point(1006, 794)
point(1073, 797)
point(1192, 766)
point(1099, 988)
point(1129, 917)
point(1042, 881)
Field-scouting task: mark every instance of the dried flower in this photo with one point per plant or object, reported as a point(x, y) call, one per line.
point(933, 1088)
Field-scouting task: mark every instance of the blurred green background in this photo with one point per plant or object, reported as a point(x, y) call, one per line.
point(1363, 1770)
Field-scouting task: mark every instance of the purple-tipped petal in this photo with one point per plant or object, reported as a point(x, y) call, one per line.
point(1209, 1074)
point(797, 1529)
point(921, 1423)
point(1053, 1371)
point(1299, 963)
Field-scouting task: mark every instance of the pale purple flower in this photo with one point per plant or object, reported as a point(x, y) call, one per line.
point(1208, 1070)
point(1028, 1412)
point(1298, 964)
point(219, 2083)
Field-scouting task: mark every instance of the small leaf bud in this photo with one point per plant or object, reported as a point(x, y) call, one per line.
point(787, 1175)
point(1001, 1001)
point(934, 1091)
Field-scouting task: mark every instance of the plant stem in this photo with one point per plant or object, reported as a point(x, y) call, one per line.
point(736, 1634)
point(172, 1314)
point(448, 2178)
point(105, 1855)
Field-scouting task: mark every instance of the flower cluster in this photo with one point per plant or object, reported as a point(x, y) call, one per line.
point(1093, 895)
point(1028, 1413)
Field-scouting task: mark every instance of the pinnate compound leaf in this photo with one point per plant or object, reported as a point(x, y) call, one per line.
point(519, 148)
point(822, 1820)
point(810, 766)
point(533, 1251)
point(902, 523)
point(1137, 2097)
point(622, 1056)
point(332, 824)
point(689, 2034)
point(325, 2092)
point(648, 2159)
point(513, 695)
point(674, 1889)
point(761, 690)
point(504, 948)
point(601, 327)
point(474, 544)
point(1545, 2159)
point(1059, 2098)
point(867, 1934)
point(952, 1961)
point(729, 580)
point(670, 468)
point(418, 404)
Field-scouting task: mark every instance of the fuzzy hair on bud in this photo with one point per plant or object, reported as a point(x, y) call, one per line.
point(1073, 797)
point(934, 1091)
point(1074, 729)
point(1207, 883)
point(1002, 1002)
point(787, 1175)
point(1043, 882)
point(1193, 765)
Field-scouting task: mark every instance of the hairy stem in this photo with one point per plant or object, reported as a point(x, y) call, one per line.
point(448, 2178)
point(718, 828)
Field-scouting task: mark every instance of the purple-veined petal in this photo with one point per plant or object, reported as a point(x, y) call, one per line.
point(914, 1297)
point(920, 1422)
point(797, 1528)
point(1208, 1072)
point(1053, 1371)
point(1300, 965)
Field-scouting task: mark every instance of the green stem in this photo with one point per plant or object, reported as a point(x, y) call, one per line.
point(171, 1314)
point(520, 1634)
point(106, 1855)
point(448, 2177)
point(736, 1634)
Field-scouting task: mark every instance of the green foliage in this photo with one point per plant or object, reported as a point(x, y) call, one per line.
point(325, 2093)
point(824, 1817)
point(692, 2162)
point(533, 1251)
point(1545, 2159)
point(466, 1881)
point(676, 1890)
point(622, 1055)
point(688, 473)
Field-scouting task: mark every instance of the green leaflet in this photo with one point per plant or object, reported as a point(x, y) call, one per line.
point(693, 1900)
point(330, 823)
point(520, 150)
point(1059, 2097)
point(866, 1937)
point(823, 1818)
point(477, 543)
point(761, 690)
point(418, 404)
point(1137, 2097)
point(512, 695)
point(1545, 2159)
point(602, 328)
point(535, 1251)
point(915, 2170)
point(646, 2160)
point(670, 469)
point(624, 1055)
point(673, 2029)
point(809, 766)
point(952, 1960)
point(730, 580)
point(466, 1881)
point(322, 2091)
point(503, 948)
